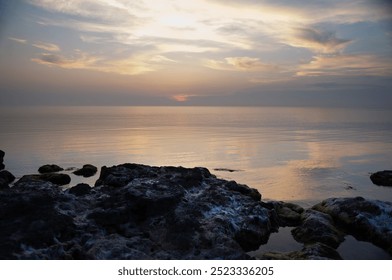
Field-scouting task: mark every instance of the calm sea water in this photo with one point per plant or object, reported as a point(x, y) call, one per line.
point(293, 154)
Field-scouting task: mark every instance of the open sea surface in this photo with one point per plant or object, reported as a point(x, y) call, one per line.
point(302, 155)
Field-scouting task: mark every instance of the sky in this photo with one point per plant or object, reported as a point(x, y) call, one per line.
point(196, 52)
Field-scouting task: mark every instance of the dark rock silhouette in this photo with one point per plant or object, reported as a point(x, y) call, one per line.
point(49, 168)
point(5, 179)
point(80, 189)
point(382, 178)
point(87, 170)
point(2, 154)
point(55, 178)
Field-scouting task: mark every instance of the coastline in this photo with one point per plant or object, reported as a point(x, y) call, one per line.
point(137, 211)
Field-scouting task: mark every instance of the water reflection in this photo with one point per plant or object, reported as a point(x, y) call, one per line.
point(297, 154)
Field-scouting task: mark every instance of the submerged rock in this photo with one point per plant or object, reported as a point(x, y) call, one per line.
point(49, 168)
point(134, 212)
point(367, 220)
point(382, 178)
point(87, 170)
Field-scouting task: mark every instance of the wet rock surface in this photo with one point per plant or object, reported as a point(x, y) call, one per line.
point(382, 178)
point(318, 227)
point(367, 220)
point(133, 212)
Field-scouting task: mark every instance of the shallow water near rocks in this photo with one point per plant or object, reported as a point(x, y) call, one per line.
point(281, 241)
point(353, 249)
point(349, 249)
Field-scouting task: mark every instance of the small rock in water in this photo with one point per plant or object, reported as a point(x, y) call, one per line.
point(49, 168)
point(382, 178)
point(87, 170)
point(2, 154)
point(5, 179)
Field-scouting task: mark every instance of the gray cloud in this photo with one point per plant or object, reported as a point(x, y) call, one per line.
point(325, 40)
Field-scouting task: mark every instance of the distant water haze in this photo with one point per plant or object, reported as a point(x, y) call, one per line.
point(291, 154)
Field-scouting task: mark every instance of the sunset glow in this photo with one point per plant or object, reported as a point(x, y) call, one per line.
point(229, 52)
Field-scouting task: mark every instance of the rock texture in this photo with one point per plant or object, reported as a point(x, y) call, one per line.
point(55, 178)
point(87, 170)
point(134, 212)
point(367, 220)
point(382, 178)
point(318, 227)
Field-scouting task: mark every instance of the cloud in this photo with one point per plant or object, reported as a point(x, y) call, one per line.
point(320, 41)
point(18, 40)
point(135, 65)
point(240, 64)
point(347, 65)
point(81, 61)
point(47, 46)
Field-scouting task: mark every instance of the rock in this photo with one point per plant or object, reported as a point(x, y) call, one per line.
point(49, 168)
point(318, 227)
point(134, 212)
point(289, 214)
point(367, 220)
point(88, 170)
point(2, 154)
point(315, 251)
point(30, 221)
point(382, 178)
point(55, 178)
point(243, 189)
point(80, 189)
point(5, 179)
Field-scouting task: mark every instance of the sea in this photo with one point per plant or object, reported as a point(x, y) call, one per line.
point(293, 154)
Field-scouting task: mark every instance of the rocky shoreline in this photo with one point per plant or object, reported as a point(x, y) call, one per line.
point(136, 211)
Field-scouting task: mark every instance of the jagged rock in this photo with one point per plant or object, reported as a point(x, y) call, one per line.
point(367, 220)
point(49, 168)
point(29, 219)
point(289, 214)
point(315, 251)
point(87, 170)
point(55, 178)
point(134, 212)
point(318, 227)
point(6, 178)
point(80, 189)
point(382, 178)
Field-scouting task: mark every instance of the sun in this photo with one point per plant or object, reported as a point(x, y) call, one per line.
point(181, 97)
